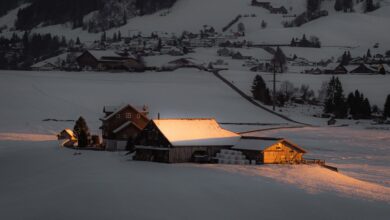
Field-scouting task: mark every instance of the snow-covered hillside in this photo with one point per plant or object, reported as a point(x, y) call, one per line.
point(338, 29)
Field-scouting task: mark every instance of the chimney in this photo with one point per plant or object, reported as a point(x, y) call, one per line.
point(158, 116)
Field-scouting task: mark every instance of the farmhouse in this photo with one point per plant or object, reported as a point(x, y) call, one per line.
point(270, 150)
point(121, 124)
point(364, 68)
point(108, 60)
point(179, 140)
point(335, 68)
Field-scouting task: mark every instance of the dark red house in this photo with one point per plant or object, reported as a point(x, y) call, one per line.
point(108, 60)
point(121, 124)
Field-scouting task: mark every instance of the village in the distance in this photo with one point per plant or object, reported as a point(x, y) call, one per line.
point(287, 101)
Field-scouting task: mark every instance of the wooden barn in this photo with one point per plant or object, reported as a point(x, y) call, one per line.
point(121, 124)
point(108, 60)
point(179, 140)
point(270, 150)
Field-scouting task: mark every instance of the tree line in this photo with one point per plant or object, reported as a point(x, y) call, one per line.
point(21, 52)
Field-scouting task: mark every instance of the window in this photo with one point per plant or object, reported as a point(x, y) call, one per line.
point(138, 116)
point(128, 115)
point(118, 116)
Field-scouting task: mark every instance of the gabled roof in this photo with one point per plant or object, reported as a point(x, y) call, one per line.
point(125, 125)
point(120, 109)
point(262, 143)
point(102, 55)
point(195, 132)
point(292, 145)
point(114, 108)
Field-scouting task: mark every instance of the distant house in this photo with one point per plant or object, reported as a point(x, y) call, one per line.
point(237, 56)
point(364, 68)
point(265, 5)
point(67, 137)
point(178, 140)
point(270, 150)
point(315, 71)
point(44, 66)
point(224, 52)
point(335, 68)
point(385, 67)
point(121, 124)
point(280, 10)
point(108, 60)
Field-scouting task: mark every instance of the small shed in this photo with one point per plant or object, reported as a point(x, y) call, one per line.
point(270, 150)
point(67, 134)
point(67, 138)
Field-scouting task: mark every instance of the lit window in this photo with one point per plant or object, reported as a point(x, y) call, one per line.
point(128, 115)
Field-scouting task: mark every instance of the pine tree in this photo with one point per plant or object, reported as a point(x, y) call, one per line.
point(279, 59)
point(260, 91)
point(114, 37)
point(124, 19)
point(366, 109)
point(335, 102)
point(263, 24)
point(82, 131)
point(386, 109)
point(368, 53)
point(78, 41)
point(382, 70)
point(338, 6)
point(369, 6)
point(312, 6)
point(119, 36)
point(103, 38)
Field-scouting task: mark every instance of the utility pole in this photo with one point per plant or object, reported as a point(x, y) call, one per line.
point(274, 90)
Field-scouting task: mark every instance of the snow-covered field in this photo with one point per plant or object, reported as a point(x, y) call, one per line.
point(42, 180)
point(31, 97)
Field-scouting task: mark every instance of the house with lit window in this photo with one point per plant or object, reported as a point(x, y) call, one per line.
point(121, 124)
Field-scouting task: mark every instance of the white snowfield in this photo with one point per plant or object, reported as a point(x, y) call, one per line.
point(43, 181)
point(31, 97)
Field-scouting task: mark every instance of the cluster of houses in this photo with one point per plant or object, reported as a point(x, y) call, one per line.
point(336, 68)
point(128, 128)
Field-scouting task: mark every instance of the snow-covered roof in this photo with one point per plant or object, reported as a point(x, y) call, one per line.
point(116, 109)
point(196, 132)
point(350, 67)
point(255, 144)
point(103, 54)
point(43, 64)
